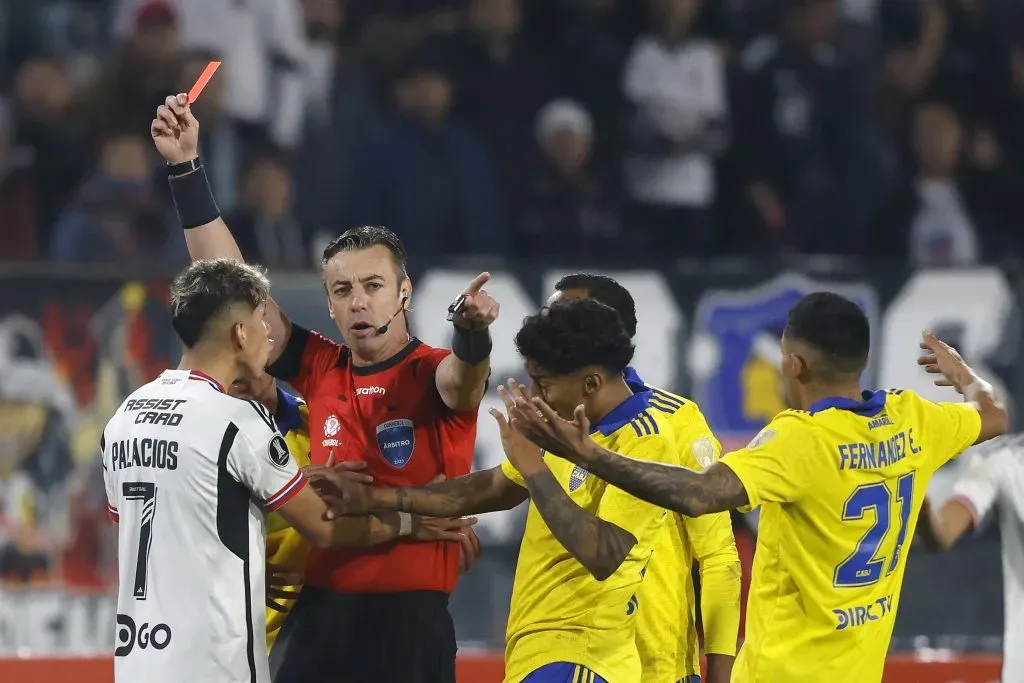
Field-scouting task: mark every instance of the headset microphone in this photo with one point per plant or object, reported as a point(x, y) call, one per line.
point(383, 329)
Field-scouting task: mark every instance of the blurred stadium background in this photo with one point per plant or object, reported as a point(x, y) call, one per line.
point(720, 157)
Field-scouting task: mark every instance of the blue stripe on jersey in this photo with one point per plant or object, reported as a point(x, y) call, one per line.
point(563, 672)
point(872, 404)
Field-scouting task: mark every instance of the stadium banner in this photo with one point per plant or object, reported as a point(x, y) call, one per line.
point(72, 347)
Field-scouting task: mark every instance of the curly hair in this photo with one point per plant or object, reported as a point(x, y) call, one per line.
point(571, 335)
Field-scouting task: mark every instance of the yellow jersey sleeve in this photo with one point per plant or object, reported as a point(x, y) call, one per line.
point(770, 467)
point(948, 429)
point(714, 547)
point(626, 511)
point(510, 471)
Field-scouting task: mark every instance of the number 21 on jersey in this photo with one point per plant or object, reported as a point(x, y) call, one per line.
point(865, 567)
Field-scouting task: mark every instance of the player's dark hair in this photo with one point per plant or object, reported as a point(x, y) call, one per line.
point(573, 334)
point(365, 237)
point(834, 326)
point(207, 289)
point(606, 290)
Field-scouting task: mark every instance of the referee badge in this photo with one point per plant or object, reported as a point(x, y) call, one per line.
point(279, 451)
point(396, 440)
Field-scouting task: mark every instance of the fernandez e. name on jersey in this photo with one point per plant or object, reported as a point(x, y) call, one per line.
point(189, 472)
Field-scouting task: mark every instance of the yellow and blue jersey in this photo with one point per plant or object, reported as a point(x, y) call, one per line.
point(666, 630)
point(840, 487)
point(559, 612)
point(286, 547)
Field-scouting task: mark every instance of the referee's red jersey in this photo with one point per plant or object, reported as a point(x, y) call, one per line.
point(391, 416)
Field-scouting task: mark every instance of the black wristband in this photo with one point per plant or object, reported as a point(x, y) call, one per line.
point(471, 346)
point(192, 196)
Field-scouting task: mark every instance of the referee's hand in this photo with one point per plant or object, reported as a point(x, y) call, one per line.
point(476, 308)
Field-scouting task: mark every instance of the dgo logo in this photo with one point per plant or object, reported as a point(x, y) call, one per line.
point(128, 636)
point(396, 439)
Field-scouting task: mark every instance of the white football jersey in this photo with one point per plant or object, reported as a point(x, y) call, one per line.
point(994, 478)
point(189, 472)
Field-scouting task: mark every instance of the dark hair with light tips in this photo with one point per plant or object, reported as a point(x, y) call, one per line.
point(206, 290)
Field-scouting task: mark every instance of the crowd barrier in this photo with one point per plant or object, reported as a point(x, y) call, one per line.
point(488, 668)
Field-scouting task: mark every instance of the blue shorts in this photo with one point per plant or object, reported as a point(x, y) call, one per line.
point(563, 672)
point(690, 679)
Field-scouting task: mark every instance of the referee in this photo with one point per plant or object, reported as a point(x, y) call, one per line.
point(409, 411)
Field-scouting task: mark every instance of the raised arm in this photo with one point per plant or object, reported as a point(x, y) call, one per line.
point(175, 133)
point(461, 377)
point(680, 489)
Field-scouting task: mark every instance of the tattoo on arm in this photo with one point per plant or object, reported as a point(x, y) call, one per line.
point(476, 493)
point(680, 489)
point(599, 546)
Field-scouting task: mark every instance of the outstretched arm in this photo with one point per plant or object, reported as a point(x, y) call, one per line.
point(461, 377)
point(476, 493)
point(175, 132)
point(680, 489)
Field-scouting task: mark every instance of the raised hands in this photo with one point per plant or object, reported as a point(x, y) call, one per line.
point(939, 358)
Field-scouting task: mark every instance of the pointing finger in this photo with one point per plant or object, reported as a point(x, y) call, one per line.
point(477, 284)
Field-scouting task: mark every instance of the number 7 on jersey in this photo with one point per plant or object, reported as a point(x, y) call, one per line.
point(146, 492)
point(864, 567)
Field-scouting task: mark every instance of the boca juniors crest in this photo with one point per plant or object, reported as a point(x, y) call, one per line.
point(735, 352)
point(577, 478)
point(396, 440)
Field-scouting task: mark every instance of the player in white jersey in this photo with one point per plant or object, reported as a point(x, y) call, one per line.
point(994, 478)
point(189, 471)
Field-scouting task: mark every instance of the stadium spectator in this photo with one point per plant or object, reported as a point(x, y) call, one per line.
point(809, 156)
point(116, 217)
point(946, 213)
point(501, 81)
point(425, 175)
point(569, 210)
point(263, 224)
point(675, 84)
point(262, 45)
point(19, 240)
point(54, 136)
point(589, 40)
point(340, 107)
point(142, 67)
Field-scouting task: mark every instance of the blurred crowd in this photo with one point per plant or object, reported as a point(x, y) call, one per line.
point(565, 128)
